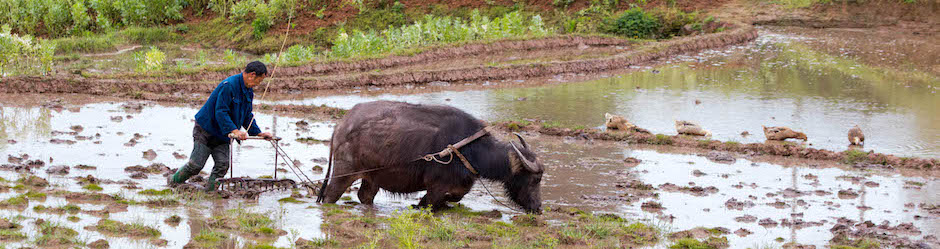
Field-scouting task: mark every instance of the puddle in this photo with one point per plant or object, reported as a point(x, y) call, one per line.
point(582, 173)
point(166, 130)
point(777, 80)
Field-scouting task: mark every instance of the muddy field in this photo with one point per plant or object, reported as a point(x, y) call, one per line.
point(89, 170)
point(754, 200)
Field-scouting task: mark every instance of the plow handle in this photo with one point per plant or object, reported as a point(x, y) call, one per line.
point(257, 138)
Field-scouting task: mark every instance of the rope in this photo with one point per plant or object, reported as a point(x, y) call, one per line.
point(277, 62)
point(432, 157)
point(513, 208)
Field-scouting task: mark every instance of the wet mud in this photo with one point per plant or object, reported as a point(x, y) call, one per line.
point(175, 89)
point(584, 179)
point(719, 148)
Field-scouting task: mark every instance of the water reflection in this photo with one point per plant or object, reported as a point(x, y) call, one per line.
point(20, 124)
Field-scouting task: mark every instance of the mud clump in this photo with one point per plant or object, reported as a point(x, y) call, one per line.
point(752, 149)
point(631, 162)
point(85, 167)
point(34, 181)
point(741, 232)
point(746, 219)
point(173, 220)
point(117, 119)
point(720, 157)
point(138, 176)
point(58, 170)
point(150, 155)
point(99, 244)
point(738, 205)
point(652, 207)
point(848, 194)
point(179, 155)
point(767, 222)
point(694, 190)
point(636, 185)
point(62, 141)
point(156, 168)
point(849, 233)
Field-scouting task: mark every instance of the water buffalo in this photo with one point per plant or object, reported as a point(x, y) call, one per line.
point(390, 138)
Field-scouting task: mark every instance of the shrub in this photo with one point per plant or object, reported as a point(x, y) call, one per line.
point(24, 54)
point(635, 23)
point(435, 30)
point(151, 60)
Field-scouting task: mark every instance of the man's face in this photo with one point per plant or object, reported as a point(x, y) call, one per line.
point(252, 80)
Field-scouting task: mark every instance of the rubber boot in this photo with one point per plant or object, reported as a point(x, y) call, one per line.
point(211, 184)
point(178, 178)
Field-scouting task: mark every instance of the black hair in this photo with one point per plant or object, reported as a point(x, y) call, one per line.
point(257, 68)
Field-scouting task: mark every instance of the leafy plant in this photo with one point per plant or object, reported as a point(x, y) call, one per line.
point(151, 60)
point(24, 54)
point(636, 23)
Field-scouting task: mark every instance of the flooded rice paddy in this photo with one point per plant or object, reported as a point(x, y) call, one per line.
point(778, 80)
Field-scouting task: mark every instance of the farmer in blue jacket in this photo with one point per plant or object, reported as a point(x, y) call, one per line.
point(225, 113)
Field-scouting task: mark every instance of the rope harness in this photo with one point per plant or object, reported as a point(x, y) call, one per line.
point(453, 149)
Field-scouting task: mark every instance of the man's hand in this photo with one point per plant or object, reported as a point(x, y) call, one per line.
point(240, 135)
point(266, 135)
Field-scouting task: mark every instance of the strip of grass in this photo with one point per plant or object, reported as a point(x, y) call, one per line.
point(128, 230)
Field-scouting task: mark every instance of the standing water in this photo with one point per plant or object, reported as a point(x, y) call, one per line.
point(778, 80)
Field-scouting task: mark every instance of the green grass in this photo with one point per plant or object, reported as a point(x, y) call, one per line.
point(54, 234)
point(854, 156)
point(154, 192)
point(73, 218)
point(289, 200)
point(11, 235)
point(68, 208)
point(208, 238)
point(131, 230)
point(858, 244)
point(92, 187)
point(660, 139)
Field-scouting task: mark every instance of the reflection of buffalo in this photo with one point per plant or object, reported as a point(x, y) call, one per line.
point(394, 136)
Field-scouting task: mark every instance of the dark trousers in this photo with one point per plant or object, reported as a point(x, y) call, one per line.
point(204, 145)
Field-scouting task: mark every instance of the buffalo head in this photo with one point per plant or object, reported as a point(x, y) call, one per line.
point(523, 186)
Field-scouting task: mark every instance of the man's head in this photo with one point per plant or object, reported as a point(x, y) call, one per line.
point(254, 73)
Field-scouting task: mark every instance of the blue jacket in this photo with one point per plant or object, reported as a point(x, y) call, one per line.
point(228, 108)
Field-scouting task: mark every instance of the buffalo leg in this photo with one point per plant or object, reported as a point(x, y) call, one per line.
point(367, 191)
point(336, 188)
point(455, 196)
point(435, 199)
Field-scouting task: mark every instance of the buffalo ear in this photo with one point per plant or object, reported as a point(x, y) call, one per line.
point(522, 140)
point(530, 165)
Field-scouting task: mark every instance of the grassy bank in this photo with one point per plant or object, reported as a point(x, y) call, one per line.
point(320, 30)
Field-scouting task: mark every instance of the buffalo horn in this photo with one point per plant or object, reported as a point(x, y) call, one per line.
point(528, 164)
point(524, 144)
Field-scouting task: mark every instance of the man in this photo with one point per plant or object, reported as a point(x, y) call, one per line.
point(226, 111)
